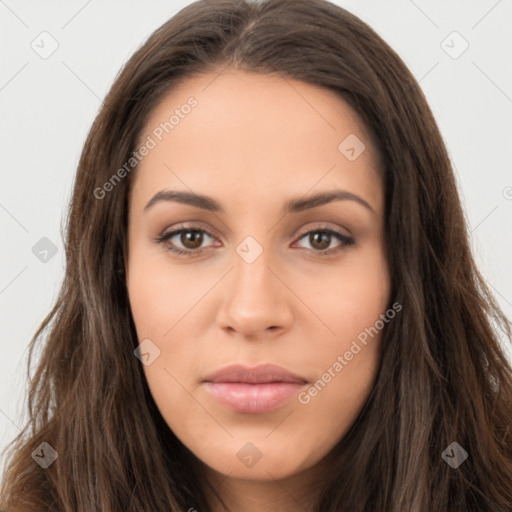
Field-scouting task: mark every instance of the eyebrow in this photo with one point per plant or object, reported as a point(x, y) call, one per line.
point(292, 206)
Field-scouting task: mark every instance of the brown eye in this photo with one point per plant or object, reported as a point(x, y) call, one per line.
point(187, 241)
point(191, 239)
point(320, 240)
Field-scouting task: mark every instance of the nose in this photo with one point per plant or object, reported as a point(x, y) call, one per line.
point(255, 303)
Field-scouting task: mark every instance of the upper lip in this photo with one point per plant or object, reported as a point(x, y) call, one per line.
point(260, 374)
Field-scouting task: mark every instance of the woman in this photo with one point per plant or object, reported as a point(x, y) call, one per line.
point(270, 301)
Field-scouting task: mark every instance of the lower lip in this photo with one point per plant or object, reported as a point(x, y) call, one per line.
point(253, 398)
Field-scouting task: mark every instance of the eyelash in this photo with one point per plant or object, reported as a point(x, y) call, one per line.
point(345, 240)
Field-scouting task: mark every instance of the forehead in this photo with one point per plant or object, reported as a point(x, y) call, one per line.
point(268, 132)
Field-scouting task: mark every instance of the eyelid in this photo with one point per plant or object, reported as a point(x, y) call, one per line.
point(323, 226)
point(186, 226)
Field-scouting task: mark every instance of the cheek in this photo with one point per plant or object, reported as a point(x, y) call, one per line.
point(348, 298)
point(162, 300)
point(160, 296)
point(350, 302)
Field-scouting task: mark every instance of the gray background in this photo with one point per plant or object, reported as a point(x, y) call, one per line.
point(48, 104)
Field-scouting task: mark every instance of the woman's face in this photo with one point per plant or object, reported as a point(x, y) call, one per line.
point(261, 281)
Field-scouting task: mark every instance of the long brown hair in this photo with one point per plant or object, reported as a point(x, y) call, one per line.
point(443, 375)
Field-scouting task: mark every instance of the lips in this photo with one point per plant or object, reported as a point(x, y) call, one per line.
point(253, 389)
point(261, 374)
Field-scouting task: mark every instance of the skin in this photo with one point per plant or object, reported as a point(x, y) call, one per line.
point(252, 143)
